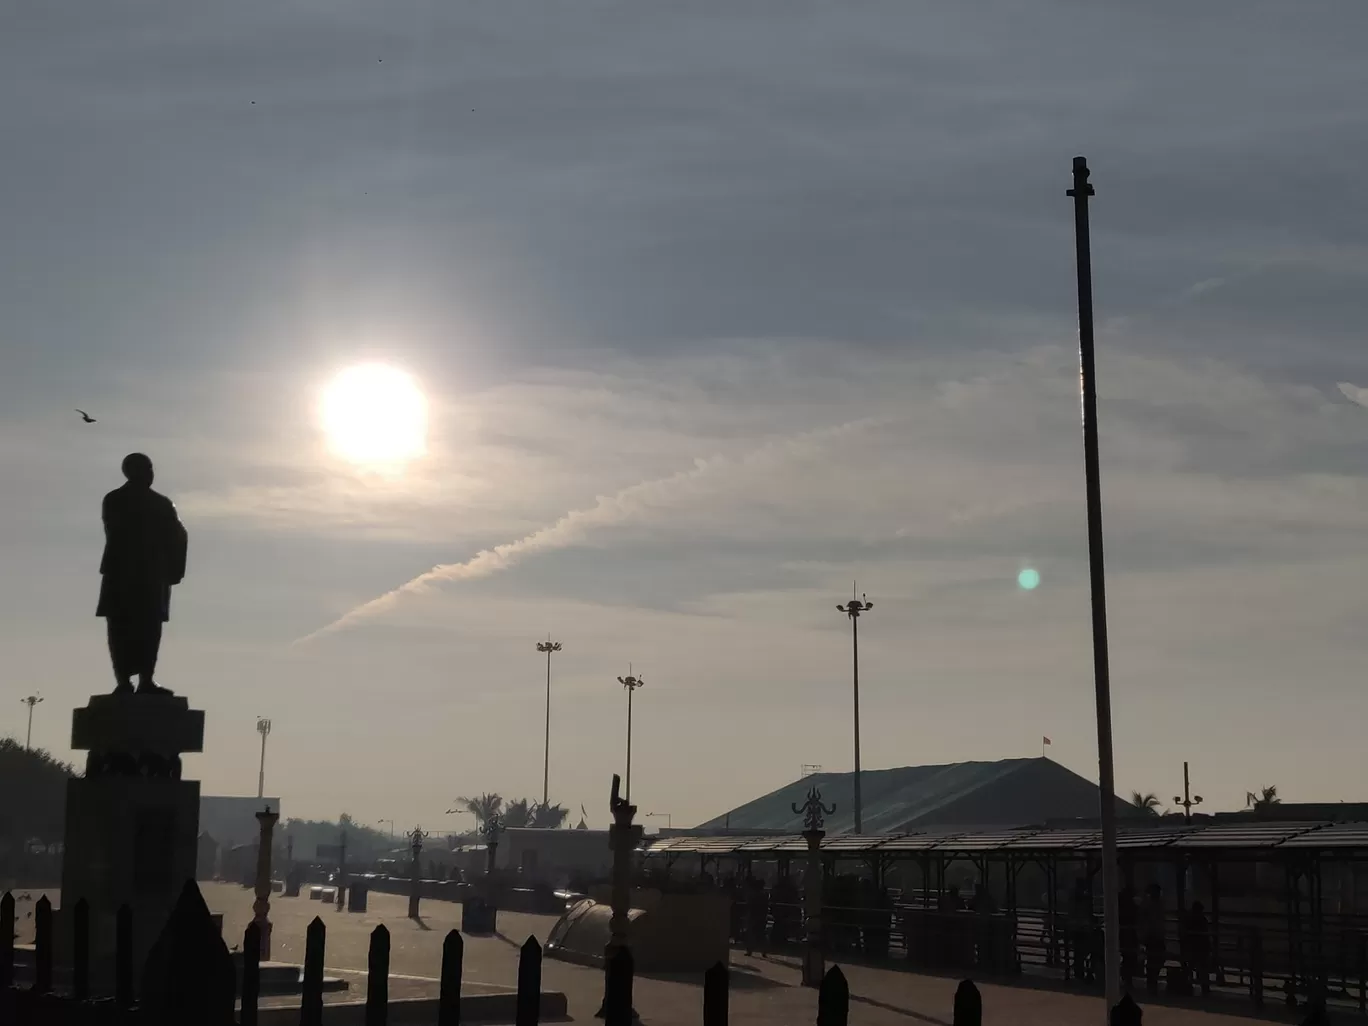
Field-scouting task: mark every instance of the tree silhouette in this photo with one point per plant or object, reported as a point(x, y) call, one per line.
point(1148, 803)
point(549, 817)
point(1267, 796)
point(518, 813)
point(483, 807)
point(32, 800)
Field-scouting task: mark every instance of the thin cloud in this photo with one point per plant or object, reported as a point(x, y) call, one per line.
point(629, 503)
point(1354, 393)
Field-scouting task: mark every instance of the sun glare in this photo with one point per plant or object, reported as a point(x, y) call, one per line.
point(375, 415)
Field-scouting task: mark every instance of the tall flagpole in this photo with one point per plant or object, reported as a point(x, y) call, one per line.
point(1101, 672)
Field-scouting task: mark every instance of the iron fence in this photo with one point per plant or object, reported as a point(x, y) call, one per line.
point(193, 989)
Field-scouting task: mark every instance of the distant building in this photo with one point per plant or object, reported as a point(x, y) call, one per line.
point(554, 856)
point(1007, 793)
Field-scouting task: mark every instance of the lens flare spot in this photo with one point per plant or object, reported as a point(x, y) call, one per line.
point(1028, 579)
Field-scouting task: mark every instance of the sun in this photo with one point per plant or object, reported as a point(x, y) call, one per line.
point(375, 415)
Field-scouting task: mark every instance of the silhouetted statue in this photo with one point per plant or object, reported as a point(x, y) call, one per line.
point(144, 555)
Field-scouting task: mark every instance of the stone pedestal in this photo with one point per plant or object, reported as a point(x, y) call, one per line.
point(132, 823)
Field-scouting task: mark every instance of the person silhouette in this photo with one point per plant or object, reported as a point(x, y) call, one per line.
point(144, 556)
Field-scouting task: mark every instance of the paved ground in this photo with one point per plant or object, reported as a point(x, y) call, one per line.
point(764, 991)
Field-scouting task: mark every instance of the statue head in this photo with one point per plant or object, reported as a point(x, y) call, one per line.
point(138, 469)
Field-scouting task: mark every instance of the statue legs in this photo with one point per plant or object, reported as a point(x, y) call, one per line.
point(133, 646)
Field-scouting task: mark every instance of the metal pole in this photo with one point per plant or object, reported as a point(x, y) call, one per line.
point(1101, 672)
point(263, 727)
point(546, 762)
point(31, 701)
point(855, 646)
point(853, 609)
point(631, 683)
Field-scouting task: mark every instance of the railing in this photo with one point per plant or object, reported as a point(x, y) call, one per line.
point(43, 1002)
point(1255, 954)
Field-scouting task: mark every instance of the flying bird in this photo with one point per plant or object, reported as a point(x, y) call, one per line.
point(86, 417)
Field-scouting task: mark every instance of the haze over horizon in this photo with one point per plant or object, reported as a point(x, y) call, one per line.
point(712, 310)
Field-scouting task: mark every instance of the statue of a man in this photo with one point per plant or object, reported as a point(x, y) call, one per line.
point(144, 555)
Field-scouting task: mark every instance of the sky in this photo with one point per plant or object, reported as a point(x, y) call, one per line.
point(716, 308)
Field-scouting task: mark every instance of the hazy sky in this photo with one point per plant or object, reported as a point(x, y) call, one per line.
point(721, 306)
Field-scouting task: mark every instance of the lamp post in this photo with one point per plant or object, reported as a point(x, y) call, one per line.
point(853, 609)
point(261, 908)
point(548, 646)
point(1111, 907)
point(623, 838)
point(631, 683)
point(382, 822)
point(669, 824)
point(814, 815)
point(492, 827)
point(415, 881)
point(31, 701)
point(342, 870)
point(263, 728)
point(1189, 799)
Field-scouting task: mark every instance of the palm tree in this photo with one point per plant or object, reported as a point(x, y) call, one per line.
point(1146, 803)
point(1267, 796)
point(483, 807)
point(518, 813)
point(549, 817)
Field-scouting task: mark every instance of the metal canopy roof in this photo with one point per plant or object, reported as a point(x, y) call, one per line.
point(1333, 836)
point(1233, 837)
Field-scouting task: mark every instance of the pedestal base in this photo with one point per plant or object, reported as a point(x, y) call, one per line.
point(132, 824)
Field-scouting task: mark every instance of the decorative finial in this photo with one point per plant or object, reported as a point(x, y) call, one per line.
point(813, 810)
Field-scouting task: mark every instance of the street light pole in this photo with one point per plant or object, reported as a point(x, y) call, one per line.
point(853, 609)
point(263, 728)
point(1111, 910)
point(391, 823)
point(1189, 799)
point(669, 823)
point(31, 701)
point(631, 683)
point(548, 646)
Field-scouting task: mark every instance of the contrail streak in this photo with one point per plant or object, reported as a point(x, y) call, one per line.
point(576, 525)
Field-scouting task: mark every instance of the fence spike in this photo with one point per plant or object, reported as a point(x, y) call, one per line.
point(449, 997)
point(311, 1000)
point(1126, 1013)
point(528, 1010)
point(6, 940)
point(80, 950)
point(833, 999)
point(716, 985)
point(42, 946)
point(123, 958)
point(377, 977)
point(968, 1005)
point(251, 974)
